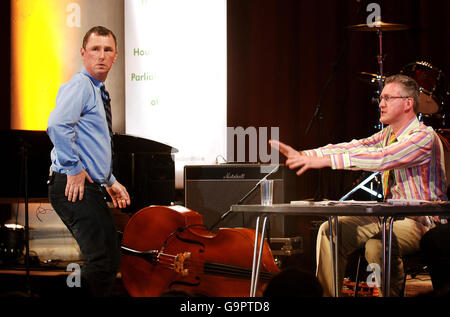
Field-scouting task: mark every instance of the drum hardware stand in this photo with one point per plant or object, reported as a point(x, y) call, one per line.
point(380, 58)
point(380, 78)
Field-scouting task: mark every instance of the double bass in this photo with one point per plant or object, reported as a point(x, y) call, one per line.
point(169, 249)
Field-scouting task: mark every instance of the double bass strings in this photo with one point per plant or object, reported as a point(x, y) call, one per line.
point(233, 271)
point(182, 263)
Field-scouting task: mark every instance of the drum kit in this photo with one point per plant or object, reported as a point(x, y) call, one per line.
point(433, 87)
point(433, 84)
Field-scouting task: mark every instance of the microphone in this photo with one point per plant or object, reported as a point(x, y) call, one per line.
point(245, 197)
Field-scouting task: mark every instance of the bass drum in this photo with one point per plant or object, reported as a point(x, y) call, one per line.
point(436, 120)
point(432, 83)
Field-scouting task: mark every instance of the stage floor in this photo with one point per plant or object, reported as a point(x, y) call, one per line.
point(50, 280)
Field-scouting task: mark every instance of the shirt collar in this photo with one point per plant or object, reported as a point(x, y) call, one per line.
point(413, 124)
point(96, 82)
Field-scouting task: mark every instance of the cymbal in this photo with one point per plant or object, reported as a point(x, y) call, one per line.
point(370, 78)
point(379, 25)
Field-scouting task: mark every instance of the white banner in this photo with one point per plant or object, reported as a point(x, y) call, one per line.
point(175, 68)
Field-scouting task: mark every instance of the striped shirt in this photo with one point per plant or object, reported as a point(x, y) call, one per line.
point(416, 160)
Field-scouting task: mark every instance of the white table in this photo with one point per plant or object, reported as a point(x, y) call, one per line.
point(334, 209)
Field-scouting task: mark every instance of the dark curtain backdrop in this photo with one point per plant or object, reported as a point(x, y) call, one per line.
point(281, 53)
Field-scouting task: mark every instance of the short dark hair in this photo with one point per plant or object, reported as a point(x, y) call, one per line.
point(100, 30)
point(409, 84)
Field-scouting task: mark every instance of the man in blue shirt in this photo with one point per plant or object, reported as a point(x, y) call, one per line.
point(81, 172)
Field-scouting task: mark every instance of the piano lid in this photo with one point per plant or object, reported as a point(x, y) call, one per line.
point(133, 144)
point(38, 142)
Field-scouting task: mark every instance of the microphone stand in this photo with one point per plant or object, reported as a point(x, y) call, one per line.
point(319, 115)
point(24, 151)
point(241, 201)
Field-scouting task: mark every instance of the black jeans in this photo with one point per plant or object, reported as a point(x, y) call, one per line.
point(92, 225)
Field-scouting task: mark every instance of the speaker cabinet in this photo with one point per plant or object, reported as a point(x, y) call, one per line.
point(211, 190)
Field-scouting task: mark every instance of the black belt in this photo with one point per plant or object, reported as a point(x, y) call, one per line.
point(61, 176)
point(55, 175)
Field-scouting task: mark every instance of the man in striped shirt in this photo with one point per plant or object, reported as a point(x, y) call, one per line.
point(410, 156)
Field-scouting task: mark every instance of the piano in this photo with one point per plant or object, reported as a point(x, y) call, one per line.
point(145, 167)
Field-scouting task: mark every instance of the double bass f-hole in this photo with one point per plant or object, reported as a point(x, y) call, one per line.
point(191, 241)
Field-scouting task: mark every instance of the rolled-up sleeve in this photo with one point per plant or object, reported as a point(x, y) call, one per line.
point(61, 126)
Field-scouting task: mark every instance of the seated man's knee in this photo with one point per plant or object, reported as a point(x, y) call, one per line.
point(373, 251)
point(323, 229)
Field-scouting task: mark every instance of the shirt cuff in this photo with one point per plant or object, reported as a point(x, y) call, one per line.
point(111, 181)
point(75, 170)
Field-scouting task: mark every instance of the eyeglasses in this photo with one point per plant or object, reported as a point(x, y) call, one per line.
point(387, 98)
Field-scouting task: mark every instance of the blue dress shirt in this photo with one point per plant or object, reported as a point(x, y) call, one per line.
point(79, 130)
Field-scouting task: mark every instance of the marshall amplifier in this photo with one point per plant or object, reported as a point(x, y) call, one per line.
point(211, 190)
